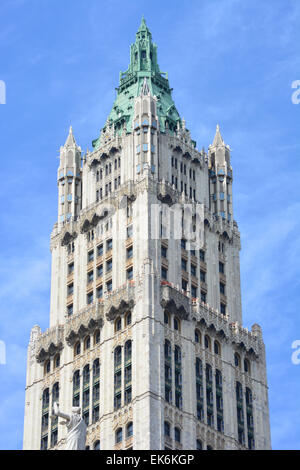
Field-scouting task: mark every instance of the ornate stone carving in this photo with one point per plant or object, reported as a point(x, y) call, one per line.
point(174, 301)
point(49, 343)
point(120, 300)
point(85, 321)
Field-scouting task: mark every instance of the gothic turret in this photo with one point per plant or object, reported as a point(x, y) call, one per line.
point(69, 180)
point(143, 63)
point(220, 178)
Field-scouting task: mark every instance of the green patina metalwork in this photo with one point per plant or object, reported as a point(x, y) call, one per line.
point(143, 63)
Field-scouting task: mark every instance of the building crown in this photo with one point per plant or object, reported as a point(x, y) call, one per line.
point(143, 64)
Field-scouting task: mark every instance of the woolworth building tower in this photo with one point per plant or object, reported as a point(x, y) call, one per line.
point(145, 329)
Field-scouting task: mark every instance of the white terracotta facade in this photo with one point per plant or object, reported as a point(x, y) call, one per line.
point(167, 305)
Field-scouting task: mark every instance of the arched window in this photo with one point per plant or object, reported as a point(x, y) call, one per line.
point(86, 375)
point(246, 365)
point(128, 319)
point(96, 369)
point(119, 435)
point(177, 434)
point(217, 348)
point(177, 354)
point(118, 356)
point(237, 360)
point(167, 318)
point(47, 367)
point(176, 324)
point(96, 445)
point(167, 429)
point(56, 361)
point(167, 349)
point(198, 368)
point(129, 430)
point(197, 337)
point(45, 399)
point(87, 343)
point(55, 393)
point(199, 444)
point(97, 337)
point(118, 324)
point(128, 350)
point(248, 396)
point(77, 349)
point(207, 342)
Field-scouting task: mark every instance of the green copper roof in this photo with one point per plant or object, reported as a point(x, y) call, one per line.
point(143, 63)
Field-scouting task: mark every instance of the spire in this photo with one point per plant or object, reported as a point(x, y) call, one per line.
point(218, 140)
point(143, 76)
point(143, 26)
point(70, 142)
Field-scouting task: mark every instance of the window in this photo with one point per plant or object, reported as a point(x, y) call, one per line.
point(100, 250)
point(87, 343)
point(90, 256)
point(119, 435)
point(90, 276)
point(70, 289)
point(129, 252)
point(99, 292)
point(70, 268)
point(184, 285)
point(164, 251)
point(183, 264)
point(177, 355)
point(97, 337)
point(207, 342)
point(166, 318)
point(194, 292)
point(109, 245)
point(77, 348)
point(129, 273)
point(100, 270)
point(221, 267)
point(237, 360)
point(246, 365)
point(128, 319)
point(56, 361)
point(109, 265)
point(223, 309)
point(167, 429)
point(183, 244)
point(47, 367)
point(202, 276)
point(193, 270)
point(109, 286)
point(222, 288)
point(177, 434)
point(199, 444)
point(70, 309)
point(129, 430)
point(176, 324)
point(129, 231)
point(197, 337)
point(164, 273)
point(217, 348)
point(202, 255)
point(118, 324)
point(203, 296)
point(90, 298)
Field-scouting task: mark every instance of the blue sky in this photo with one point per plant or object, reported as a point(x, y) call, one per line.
point(230, 62)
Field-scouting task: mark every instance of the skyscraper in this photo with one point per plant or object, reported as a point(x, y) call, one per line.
point(146, 330)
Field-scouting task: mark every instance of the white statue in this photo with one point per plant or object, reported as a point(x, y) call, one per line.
point(76, 427)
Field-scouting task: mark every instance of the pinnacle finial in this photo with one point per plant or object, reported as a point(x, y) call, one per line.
point(218, 140)
point(70, 139)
